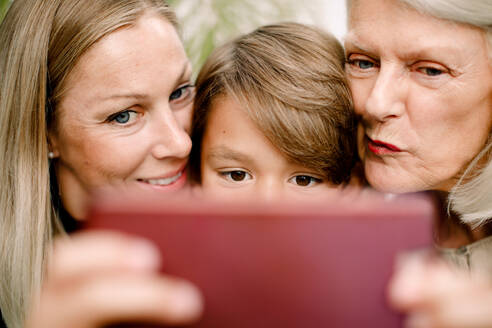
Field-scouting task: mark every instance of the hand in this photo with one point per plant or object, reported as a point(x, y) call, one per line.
point(98, 278)
point(435, 296)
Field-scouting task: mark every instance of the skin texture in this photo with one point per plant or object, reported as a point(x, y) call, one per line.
point(125, 116)
point(103, 277)
point(421, 84)
point(237, 167)
point(435, 296)
point(102, 141)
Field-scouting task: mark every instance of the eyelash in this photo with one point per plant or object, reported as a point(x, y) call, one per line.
point(185, 98)
point(312, 180)
point(180, 102)
point(422, 67)
point(352, 65)
point(112, 118)
point(353, 62)
point(228, 175)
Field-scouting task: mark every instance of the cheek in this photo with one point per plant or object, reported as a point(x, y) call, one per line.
point(98, 159)
point(183, 117)
point(360, 141)
point(211, 187)
point(360, 93)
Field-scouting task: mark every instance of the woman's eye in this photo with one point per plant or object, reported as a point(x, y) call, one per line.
point(183, 95)
point(236, 175)
point(360, 63)
point(363, 64)
point(123, 117)
point(304, 180)
point(431, 71)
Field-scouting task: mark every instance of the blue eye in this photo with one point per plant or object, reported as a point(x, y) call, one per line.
point(432, 71)
point(180, 92)
point(363, 64)
point(182, 97)
point(176, 94)
point(123, 117)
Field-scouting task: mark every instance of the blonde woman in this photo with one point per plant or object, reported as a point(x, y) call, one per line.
point(273, 116)
point(421, 78)
point(93, 94)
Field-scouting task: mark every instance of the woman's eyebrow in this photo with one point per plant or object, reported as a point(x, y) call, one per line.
point(135, 95)
point(434, 52)
point(351, 44)
point(184, 71)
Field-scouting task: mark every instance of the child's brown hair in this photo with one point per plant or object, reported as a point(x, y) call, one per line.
point(290, 80)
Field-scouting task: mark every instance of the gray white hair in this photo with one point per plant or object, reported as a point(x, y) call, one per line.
point(477, 13)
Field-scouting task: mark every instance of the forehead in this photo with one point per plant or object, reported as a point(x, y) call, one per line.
point(131, 57)
point(374, 23)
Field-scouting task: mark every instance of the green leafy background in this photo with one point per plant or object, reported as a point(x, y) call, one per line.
point(3, 7)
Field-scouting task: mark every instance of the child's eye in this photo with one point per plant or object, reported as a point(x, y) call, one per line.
point(182, 96)
point(304, 180)
point(124, 117)
point(236, 175)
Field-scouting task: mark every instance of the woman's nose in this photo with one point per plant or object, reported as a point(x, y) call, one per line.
point(171, 138)
point(386, 100)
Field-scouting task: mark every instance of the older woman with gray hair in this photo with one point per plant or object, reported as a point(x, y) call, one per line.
point(421, 77)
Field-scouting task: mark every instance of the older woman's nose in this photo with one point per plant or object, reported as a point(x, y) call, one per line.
point(386, 100)
point(171, 139)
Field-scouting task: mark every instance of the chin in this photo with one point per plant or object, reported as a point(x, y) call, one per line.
point(396, 183)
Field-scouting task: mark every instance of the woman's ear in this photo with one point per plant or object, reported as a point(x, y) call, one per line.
point(53, 151)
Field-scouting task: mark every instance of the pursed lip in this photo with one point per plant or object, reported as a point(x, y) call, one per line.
point(380, 147)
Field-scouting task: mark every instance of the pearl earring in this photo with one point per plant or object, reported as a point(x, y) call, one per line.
point(51, 155)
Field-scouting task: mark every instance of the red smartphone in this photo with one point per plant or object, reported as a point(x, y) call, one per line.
point(280, 265)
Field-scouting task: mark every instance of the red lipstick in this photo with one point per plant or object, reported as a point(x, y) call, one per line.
point(381, 148)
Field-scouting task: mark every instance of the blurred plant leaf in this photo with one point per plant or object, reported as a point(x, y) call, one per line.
point(4, 5)
point(205, 24)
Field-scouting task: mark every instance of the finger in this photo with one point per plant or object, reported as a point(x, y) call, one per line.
point(407, 280)
point(418, 280)
point(160, 299)
point(418, 320)
point(100, 251)
point(469, 307)
point(121, 298)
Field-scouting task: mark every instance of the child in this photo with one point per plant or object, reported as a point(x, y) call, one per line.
point(273, 116)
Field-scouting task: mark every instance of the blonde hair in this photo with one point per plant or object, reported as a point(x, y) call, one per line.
point(40, 43)
point(289, 78)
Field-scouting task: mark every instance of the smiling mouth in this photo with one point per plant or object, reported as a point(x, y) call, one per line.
point(163, 181)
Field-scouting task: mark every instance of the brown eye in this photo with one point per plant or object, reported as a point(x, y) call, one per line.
point(236, 175)
point(305, 180)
